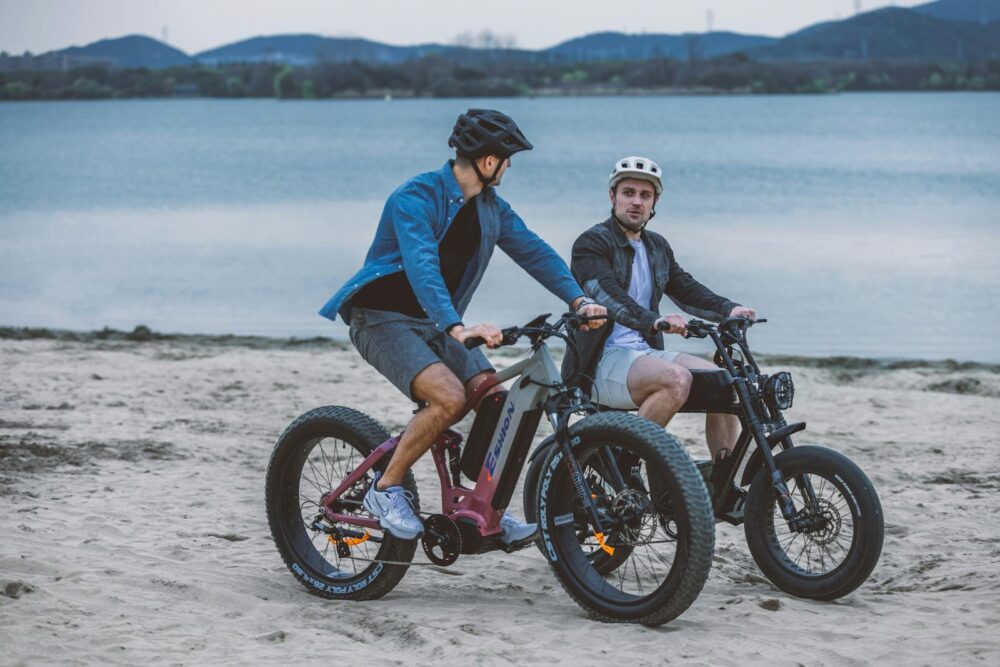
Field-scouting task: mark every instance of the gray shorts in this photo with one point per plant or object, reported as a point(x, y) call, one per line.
point(611, 377)
point(399, 347)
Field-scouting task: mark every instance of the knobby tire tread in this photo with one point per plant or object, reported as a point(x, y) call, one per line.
point(699, 506)
point(339, 421)
point(826, 587)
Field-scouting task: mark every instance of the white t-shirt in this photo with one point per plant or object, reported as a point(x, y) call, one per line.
point(640, 288)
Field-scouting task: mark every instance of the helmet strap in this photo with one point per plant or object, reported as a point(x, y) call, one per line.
point(652, 214)
point(487, 181)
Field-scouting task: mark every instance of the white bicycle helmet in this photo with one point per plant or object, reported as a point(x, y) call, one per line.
point(636, 167)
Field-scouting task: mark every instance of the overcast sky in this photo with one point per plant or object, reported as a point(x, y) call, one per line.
point(197, 25)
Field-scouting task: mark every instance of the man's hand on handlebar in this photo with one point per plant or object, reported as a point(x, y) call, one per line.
point(673, 323)
point(487, 332)
point(588, 308)
point(743, 311)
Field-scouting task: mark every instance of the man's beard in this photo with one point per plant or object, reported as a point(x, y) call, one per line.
point(627, 223)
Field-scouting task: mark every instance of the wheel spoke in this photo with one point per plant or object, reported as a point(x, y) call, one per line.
point(827, 531)
point(323, 459)
point(323, 463)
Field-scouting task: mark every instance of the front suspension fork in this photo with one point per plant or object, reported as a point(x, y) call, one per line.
point(560, 422)
point(781, 492)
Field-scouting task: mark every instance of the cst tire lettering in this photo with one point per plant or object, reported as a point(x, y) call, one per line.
point(543, 509)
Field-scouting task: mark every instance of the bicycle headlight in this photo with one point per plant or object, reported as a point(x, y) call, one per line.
point(779, 390)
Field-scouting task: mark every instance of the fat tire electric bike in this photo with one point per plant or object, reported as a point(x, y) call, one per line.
point(656, 507)
point(812, 519)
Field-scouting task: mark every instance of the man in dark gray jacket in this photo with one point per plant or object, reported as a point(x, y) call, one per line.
point(628, 269)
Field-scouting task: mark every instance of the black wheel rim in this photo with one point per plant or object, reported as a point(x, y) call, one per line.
point(830, 536)
point(320, 465)
point(652, 555)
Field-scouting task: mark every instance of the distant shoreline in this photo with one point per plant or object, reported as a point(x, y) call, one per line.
point(143, 334)
point(437, 78)
point(542, 93)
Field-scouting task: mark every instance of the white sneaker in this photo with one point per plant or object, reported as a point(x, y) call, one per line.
point(513, 530)
point(394, 510)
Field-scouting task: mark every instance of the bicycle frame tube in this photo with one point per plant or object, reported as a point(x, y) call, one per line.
point(752, 422)
point(508, 447)
point(483, 504)
point(385, 448)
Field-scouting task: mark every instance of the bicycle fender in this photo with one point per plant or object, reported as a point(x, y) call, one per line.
point(756, 460)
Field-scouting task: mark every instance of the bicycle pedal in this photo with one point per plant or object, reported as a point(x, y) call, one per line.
point(517, 546)
point(736, 514)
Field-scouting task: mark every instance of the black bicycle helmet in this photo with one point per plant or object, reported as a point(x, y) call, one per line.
point(480, 132)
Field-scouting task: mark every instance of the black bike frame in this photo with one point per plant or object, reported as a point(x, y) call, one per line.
point(747, 382)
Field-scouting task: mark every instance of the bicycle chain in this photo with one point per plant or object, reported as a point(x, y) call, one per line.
point(393, 562)
point(388, 562)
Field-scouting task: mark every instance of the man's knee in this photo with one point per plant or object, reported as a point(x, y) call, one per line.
point(452, 402)
point(676, 379)
point(440, 389)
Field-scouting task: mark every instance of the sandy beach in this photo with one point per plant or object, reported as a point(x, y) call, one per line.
point(133, 526)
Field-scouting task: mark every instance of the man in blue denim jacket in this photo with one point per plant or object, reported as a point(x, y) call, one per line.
point(436, 236)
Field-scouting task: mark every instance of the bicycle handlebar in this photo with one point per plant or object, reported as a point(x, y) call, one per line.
point(512, 334)
point(695, 328)
point(700, 329)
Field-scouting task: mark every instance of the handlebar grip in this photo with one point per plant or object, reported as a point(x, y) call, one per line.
point(474, 342)
point(663, 326)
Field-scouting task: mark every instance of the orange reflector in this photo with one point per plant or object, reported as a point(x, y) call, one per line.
point(351, 541)
point(600, 540)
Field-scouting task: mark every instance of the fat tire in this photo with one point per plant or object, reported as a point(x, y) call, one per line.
point(867, 514)
point(694, 562)
point(531, 476)
point(365, 434)
point(603, 563)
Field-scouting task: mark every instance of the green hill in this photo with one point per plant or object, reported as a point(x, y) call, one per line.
point(132, 51)
point(887, 34)
point(976, 11)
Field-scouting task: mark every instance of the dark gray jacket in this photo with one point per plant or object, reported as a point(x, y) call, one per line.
point(602, 265)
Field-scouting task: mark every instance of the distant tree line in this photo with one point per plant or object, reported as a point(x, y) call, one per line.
point(435, 76)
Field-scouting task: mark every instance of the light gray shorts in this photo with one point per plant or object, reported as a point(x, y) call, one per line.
point(400, 346)
point(611, 378)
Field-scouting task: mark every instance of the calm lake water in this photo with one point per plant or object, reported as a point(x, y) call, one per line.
point(858, 224)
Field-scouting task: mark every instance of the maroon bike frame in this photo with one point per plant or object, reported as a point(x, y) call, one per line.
point(458, 501)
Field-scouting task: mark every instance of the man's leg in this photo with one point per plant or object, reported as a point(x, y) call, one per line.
point(443, 392)
point(721, 430)
point(658, 387)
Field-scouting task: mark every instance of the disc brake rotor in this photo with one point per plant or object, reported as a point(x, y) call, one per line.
point(826, 522)
point(640, 526)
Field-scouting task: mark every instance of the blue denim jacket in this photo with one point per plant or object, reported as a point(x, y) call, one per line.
point(415, 219)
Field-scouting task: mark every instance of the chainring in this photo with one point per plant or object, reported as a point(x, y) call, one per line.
point(442, 540)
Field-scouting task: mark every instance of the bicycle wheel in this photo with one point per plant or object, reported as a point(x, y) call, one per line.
point(842, 539)
point(659, 536)
point(314, 454)
point(604, 482)
point(532, 475)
